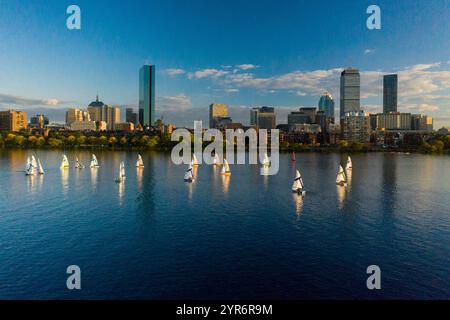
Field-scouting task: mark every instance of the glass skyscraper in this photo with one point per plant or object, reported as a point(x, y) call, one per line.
point(390, 83)
point(326, 104)
point(350, 91)
point(147, 95)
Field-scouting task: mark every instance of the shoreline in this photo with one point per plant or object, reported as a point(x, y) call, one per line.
point(303, 149)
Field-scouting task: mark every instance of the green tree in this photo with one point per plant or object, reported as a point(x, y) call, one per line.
point(103, 140)
point(55, 143)
point(112, 141)
point(81, 140)
point(123, 141)
point(20, 141)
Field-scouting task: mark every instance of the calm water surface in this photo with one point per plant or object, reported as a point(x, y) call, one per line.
point(246, 236)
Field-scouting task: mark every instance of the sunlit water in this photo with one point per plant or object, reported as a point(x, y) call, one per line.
point(246, 236)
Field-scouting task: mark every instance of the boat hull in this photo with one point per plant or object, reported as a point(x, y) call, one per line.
point(299, 191)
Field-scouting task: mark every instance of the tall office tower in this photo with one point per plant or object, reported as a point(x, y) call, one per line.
point(131, 116)
point(217, 111)
point(326, 104)
point(147, 95)
point(390, 85)
point(267, 118)
point(12, 120)
point(350, 91)
point(254, 113)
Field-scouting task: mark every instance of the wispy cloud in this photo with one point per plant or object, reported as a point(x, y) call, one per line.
point(246, 66)
point(177, 103)
point(174, 72)
point(369, 51)
point(231, 90)
point(17, 101)
point(207, 73)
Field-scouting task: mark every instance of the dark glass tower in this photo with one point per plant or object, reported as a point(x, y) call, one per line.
point(390, 84)
point(350, 94)
point(326, 104)
point(147, 95)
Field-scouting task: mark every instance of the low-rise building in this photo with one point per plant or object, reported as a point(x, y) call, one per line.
point(83, 126)
point(13, 121)
point(355, 127)
point(124, 126)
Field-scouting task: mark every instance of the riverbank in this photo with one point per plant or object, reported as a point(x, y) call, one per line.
point(141, 141)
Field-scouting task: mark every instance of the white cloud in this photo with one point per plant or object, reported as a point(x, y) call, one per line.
point(369, 51)
point(231, 90)
point(174, 72)
point(16, 101)
point(205, 73)
point(246, 66)
point(174, 103)
point(421, 108)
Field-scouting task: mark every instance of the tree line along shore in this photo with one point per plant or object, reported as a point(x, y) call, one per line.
point(162, 142)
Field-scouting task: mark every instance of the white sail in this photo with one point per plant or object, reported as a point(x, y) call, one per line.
point(65, 162)
point(225, 167)
point(29, 170)
point(78, 164)
point(27, 166)
point(297, 184)
point(194, 160)
point(266, 161)
point(94, 162)
point(216, 159)
point(40, 168)
point(349, 165)
point(139, 162)
point(122, 170)
point(189, 176)
point(34, 162)
point(340, 176)
point(121, 177)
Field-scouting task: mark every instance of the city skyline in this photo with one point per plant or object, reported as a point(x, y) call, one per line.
point(198, 67)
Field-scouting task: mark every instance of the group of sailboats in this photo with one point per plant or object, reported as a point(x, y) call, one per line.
point(341, 178)
point(33, 166)
point(78, 165)
point(189, 175)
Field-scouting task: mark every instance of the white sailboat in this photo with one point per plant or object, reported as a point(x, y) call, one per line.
point(216, 160)
point(94, 162)
point(29, 169)
point(64, 163)
point(34, 162)
point(341, 179)
point(225, 168)
point(194, 160)
point(139, 162)
point(298, 186)
point(189, 175)
point(121, 177)
point(349, 165)
point(40, 168)
point(78, 164)
point(266, 160)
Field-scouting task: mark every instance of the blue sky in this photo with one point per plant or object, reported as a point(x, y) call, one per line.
point(243, 53)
